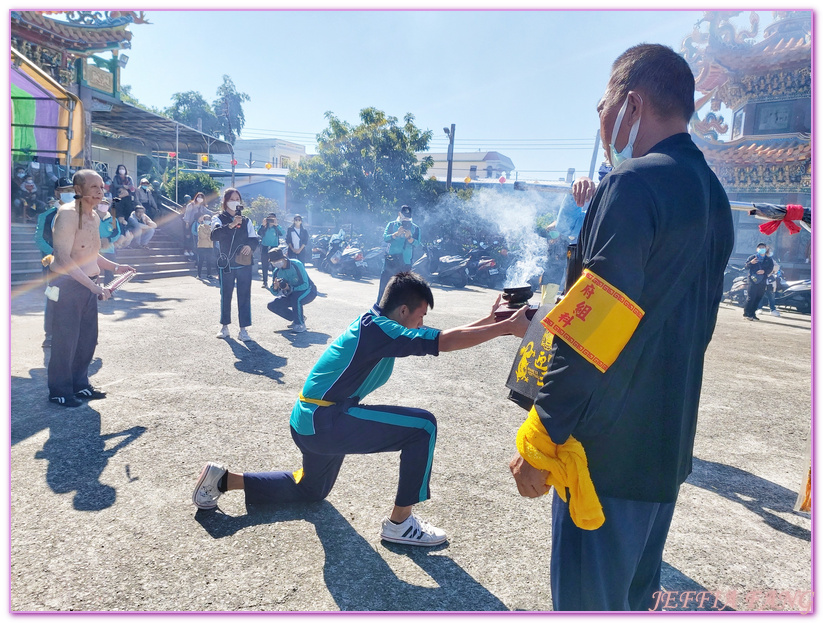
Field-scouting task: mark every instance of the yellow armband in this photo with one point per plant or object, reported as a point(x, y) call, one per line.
point(567, 467)
point(595, 319)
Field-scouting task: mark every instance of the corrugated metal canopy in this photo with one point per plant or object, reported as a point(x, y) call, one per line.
point(156, 132)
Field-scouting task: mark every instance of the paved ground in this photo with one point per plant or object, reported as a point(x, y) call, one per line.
point(102, 518)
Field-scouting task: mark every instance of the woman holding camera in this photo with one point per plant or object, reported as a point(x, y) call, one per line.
point(270, 234)
point(237, 241)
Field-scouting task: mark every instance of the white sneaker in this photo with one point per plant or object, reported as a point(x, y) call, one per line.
point(298, 328)
point(413, 531)
point(775, 313)
point(205, 491)
point(243, 336)
point(224, 333)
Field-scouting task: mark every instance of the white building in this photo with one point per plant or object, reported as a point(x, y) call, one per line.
point(255, 153)
point(476, 165)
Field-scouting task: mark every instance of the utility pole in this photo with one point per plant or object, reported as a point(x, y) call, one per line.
point(450, 156)
point(594, 155)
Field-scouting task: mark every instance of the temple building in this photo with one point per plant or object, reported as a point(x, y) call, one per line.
point(67, 104)
point(767, 86)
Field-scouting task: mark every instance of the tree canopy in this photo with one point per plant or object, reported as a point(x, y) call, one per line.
point(229, 109)
point(369, 169)
point(189, 108)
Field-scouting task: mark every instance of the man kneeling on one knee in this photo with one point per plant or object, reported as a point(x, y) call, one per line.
point(328, 420)
point(291, 285)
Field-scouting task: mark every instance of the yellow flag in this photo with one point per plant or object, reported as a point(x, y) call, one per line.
point(596, 319)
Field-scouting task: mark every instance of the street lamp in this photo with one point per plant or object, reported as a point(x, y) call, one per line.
point(450, 156)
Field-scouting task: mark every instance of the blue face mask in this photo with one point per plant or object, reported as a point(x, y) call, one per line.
point(761, 251)
point(626, 154)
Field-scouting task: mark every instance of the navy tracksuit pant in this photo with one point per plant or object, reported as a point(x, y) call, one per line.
point(73, 337)
point(228, 277)
point(291, 307)
point(342, 430)
point(390, 269)
point(617, 566)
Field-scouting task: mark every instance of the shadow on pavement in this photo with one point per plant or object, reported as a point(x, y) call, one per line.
point(304, 340)
point(757, 494)
point(254, 359)
point(136, 304)
point(357, 577)
point(76, 451)
point(687, 595)
point(213, 281)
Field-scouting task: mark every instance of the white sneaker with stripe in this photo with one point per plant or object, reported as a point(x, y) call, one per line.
point(412, 531)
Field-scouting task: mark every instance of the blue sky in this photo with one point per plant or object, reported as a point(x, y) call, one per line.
point(522, 82)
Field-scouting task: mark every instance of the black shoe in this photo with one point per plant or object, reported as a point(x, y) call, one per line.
point(754, 318)
point(265, 286)
point(90, 394)
point(65, 401)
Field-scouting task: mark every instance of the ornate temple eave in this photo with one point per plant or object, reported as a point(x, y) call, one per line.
point(75, 38)
point(777, 149)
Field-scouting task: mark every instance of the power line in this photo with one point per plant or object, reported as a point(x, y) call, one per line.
point(273, 133)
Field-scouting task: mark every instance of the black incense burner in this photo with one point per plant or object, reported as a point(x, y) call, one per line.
point(515, 298)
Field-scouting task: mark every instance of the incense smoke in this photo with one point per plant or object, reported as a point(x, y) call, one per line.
point(511, 216)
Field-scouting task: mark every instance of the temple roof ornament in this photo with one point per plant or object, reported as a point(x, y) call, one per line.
point(82, 31)
point(719, 54)
point(101, 19)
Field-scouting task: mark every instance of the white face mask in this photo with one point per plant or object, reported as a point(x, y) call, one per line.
point(103, 207)
point(200, 200)
point(231, 206)
point(617, 157)
point(66, 197)
point(280, 264)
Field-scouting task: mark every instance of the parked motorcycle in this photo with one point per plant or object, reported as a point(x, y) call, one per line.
point(797, 294)
point(737, 291)
point(374, 259)
point(342, 258)
point(449, 270)
point(319, 247)
point(482, 267)
point(730, 274)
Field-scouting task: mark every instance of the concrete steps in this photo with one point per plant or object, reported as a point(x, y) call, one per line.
point(163, 258)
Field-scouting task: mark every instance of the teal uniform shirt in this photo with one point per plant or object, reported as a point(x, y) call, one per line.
point(358, 362)
point(270, 236)
point(109, 228)
point(400, 245)
point(295, 275)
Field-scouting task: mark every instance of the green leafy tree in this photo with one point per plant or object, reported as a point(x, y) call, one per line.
point(259, 207)
point(191, 184)
point(366, 171)
point(190, 107)
point(229, 110)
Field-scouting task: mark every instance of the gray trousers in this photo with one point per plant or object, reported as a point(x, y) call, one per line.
point(73, 337)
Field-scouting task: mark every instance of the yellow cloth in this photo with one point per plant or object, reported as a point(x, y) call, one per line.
point(594, 318)
point(316, 401)
point(567, 467)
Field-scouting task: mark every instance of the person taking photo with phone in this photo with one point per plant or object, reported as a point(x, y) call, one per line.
point(270, 234)
point(237, 241)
